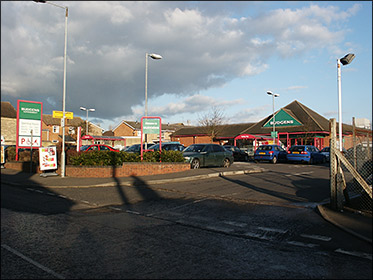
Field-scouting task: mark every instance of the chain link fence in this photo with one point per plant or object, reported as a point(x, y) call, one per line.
point(360, 157)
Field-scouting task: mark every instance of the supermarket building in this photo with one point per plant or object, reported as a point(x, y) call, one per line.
point(296, 124)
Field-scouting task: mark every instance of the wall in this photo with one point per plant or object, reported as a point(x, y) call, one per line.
point(9, 130)
point(126, 170)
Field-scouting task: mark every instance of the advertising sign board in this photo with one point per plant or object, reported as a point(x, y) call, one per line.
point(29, 119)
point(47, 158)
point(59, 115)
point(151, 125)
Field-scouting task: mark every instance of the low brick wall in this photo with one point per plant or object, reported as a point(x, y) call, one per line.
point(126, 170)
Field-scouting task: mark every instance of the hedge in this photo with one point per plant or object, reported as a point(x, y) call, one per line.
point(98, 158)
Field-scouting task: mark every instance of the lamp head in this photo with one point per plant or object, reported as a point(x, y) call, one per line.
point(347, 59)
point(155, 56)
point(92, 110)
point(83, 108)
point(270, 92)
point(276, 95)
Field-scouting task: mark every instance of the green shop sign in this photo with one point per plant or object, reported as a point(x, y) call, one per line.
point(30, 111)
point(282, 119)
point(151, 126)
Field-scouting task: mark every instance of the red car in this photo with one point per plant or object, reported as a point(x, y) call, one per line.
point(97, 147)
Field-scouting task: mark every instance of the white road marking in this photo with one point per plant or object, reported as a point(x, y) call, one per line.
point(272, 229)
point(299, 174)
point(317, 237)
point(256, 235)
point(132, 212)
point(58, 276)
point(308, 245)
point(235, 223)
point(356, 254)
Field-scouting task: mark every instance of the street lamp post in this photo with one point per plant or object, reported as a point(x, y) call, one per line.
point(64, 84)
point(154, 56)
point(273, 109)
point(347, 59)
point(87, 110)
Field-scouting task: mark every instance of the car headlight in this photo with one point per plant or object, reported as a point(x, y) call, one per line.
point(187, 158)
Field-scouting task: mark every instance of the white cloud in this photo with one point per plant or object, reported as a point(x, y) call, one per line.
point(202, 48)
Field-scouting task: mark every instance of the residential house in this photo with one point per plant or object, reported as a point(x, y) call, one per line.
point(52, 130)
point(8, 123)
point(131, 131)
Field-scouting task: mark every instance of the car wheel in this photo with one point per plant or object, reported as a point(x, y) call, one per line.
point(226, 163)
point(274, 160)
point(195, 164)
point(311, 161)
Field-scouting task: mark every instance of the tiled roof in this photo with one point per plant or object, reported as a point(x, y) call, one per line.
point(224, 131)
point(49, 120)
point(7, 110)
point(309, 119)
point(136, 125)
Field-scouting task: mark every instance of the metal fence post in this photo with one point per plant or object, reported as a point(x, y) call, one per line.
point(333, 164)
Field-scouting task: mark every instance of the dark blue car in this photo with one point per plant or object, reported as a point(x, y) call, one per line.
point(272, 153)
point(305, 153)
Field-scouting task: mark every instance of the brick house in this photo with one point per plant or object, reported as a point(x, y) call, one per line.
point(131, 131)
point(52, 130)
point(8, 123)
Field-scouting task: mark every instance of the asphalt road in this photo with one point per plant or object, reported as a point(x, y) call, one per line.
point(260, 225)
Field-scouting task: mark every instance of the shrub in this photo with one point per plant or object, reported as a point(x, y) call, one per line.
point(106, 158)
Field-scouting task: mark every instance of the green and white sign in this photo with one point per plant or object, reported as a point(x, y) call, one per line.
point(150, 126)
point(282, 119)
point(29, 127)
point(30, 111)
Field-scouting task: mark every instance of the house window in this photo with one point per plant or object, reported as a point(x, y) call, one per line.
point(56, 129)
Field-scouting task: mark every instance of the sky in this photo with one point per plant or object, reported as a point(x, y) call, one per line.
point(222, 55)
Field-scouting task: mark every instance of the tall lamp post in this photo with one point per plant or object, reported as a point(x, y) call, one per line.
point(154, 56)
point(87, 110)
point(64, 84)
point(273, 109)
point(347, 59)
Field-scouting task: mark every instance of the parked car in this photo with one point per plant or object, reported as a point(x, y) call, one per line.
point(238, 154)
point(305, 153)
point(202, 155)
point(326, 152)
point(97, 147)
point(272, 153)
point(136, 148)
point(168, 146)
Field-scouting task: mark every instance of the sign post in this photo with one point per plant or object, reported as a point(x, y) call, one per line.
point(29, 120)
point(151, 125)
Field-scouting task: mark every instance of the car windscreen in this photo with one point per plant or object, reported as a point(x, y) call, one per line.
point(195, 148)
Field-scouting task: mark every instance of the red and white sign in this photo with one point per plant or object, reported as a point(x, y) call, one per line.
point(47, 158)
point(25, 141)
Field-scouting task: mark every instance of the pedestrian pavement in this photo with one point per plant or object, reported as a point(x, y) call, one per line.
point(353, 221)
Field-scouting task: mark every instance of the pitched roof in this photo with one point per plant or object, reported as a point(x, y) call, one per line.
point(225, 131)
point(135, 125)
point(309, 121)
point(49, 120)
point(7, 110)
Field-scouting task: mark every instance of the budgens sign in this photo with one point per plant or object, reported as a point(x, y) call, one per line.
point(29, 128)
point(282, 118)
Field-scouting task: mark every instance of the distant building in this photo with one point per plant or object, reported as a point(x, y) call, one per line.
point(363, 123)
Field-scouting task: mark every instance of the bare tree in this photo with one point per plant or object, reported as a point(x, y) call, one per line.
point(212, 122)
